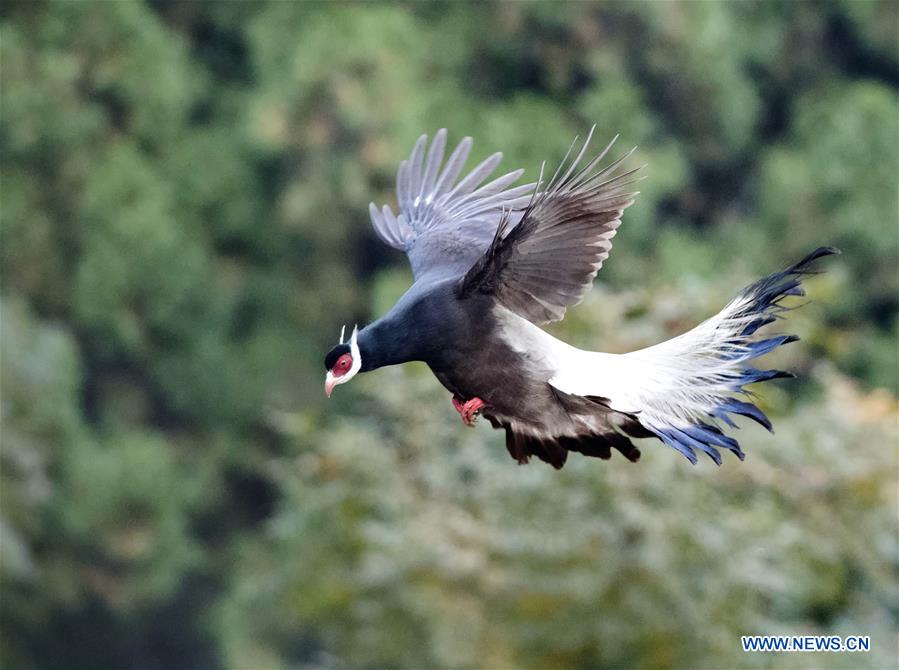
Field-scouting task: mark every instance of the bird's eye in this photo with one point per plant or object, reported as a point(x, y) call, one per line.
point(343, 363)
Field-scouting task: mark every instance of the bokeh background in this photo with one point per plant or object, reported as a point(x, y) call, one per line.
point(184, 230)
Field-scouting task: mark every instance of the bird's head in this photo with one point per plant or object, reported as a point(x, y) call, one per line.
point(342, 362)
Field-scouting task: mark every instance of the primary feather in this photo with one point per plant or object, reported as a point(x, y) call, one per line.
point(444, 225)
point(549, 260)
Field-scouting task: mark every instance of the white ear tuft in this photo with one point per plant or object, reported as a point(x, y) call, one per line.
point(355, 353)
point(342, 329)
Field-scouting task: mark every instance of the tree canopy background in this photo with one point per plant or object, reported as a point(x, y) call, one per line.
point(184, 230)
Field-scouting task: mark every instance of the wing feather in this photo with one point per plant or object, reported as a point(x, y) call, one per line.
point(453, 166)
point(444, 223)
point(432, 167)
point(547, 262)
point(415, 165)
point(483, 170)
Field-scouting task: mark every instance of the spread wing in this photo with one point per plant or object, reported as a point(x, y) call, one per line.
point(445, 224)
point(547, 262)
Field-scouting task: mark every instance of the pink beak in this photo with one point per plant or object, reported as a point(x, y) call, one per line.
point(330, 383)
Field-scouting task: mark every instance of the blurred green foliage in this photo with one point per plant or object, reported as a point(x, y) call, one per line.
point(184, 229)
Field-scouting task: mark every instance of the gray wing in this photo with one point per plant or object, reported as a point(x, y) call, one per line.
point(548, 261)
point(446, 224)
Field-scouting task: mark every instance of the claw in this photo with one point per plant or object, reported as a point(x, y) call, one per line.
point(468, 410)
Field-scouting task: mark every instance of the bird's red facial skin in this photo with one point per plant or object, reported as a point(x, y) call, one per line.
point(342, 366)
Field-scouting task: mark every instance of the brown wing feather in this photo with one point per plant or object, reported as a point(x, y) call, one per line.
point(555, 450)
point(548, 261)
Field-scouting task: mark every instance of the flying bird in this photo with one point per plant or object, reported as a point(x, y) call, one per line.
point(493, 262)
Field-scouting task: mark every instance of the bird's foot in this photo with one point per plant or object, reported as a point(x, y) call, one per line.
point(469, 409)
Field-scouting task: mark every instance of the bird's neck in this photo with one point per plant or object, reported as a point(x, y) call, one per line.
point(385, 343)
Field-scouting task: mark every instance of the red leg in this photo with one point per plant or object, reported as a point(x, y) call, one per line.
point(458, 403)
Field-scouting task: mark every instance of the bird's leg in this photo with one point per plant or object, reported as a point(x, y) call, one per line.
point(458, 404)
point(468, 409)
point(471, 409)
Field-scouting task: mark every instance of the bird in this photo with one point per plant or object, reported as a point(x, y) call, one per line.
point(493, 262)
